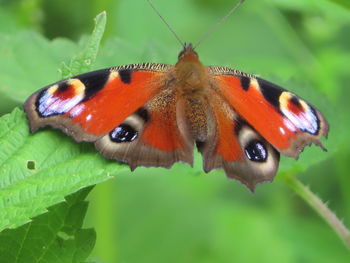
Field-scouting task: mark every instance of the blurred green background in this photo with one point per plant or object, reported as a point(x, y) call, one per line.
point(182, 215)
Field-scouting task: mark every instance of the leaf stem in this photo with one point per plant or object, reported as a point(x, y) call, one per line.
point(319, 206)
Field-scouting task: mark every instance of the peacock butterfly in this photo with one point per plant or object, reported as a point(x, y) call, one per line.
point(153, 114)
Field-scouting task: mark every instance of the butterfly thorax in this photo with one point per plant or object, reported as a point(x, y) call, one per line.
point(191, 75)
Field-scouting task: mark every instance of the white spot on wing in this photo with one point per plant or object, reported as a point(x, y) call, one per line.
point(306, 120)
point(50, 105)
point(282, 131)
point(289, 124)
point(88, 117)
point(77, 110)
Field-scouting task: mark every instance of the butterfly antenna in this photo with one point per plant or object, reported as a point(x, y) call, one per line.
point(222, 20)
point(165, 22)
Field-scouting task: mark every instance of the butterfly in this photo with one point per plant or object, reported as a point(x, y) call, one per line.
point(153, 114)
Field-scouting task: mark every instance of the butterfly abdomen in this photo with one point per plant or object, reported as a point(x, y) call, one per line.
point(196, 118)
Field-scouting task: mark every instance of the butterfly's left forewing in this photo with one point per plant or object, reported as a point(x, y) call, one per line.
point(115, 108)
point(94, 103)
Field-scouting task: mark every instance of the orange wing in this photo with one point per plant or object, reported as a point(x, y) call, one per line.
point(235, 146)
point(283, 119)
point(117, 109)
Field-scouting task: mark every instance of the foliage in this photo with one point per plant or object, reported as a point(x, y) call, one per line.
point(35, 177)
point(56, 236)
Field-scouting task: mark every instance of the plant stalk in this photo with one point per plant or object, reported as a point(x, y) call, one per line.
point(319, 206)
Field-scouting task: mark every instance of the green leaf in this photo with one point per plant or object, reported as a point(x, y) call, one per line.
point(29, 62)
point(83, 61)
point(56, 236)
point(37, 171)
